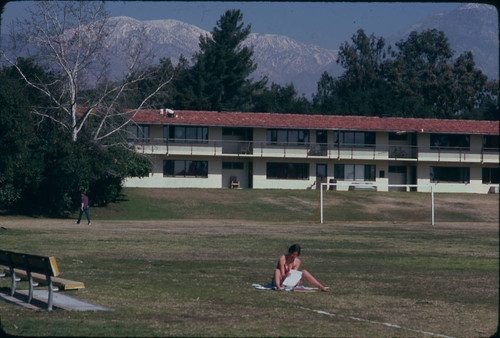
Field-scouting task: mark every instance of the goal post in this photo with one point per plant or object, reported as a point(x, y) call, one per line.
point(326, 186)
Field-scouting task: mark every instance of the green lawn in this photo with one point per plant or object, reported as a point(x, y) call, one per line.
point(297, 205)
point(177, 273)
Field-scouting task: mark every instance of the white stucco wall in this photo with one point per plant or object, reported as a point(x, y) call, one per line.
point(212, 152)
point(260, 180)
point(157, 180)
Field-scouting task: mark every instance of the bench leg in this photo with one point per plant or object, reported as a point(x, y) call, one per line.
point(51, 294)
point(13, 287)
point(30, 295)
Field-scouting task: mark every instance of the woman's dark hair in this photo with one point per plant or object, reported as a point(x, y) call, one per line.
point(294, 248)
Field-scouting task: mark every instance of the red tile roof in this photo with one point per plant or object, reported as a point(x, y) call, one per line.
point(297, 121)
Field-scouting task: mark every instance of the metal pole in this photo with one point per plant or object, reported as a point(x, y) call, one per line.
point(321, 203)
point(432, 203)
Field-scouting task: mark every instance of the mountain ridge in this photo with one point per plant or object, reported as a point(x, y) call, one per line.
point(285, 60)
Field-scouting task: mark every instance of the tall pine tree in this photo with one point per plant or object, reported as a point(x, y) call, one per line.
point(219, 78)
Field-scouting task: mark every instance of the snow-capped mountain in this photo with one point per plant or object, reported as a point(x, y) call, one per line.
point(471, 27)
point(286, 61)
point(280, 58)
point(283, 60)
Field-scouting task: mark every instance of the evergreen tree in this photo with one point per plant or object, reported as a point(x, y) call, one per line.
point(361, 89)
point(16, 137)
point(420, 76)
point(41, 169)
point(279, 99)
point(470, 86)
point(219, 79)
point(415, 79)
point(324, 99)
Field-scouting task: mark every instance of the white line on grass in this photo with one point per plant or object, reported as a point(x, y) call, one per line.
point(375, 322)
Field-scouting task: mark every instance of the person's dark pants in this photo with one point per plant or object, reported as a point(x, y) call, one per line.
point(86, 209)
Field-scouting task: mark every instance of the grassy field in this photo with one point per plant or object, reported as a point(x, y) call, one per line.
point(184, 267)
point(297, 206)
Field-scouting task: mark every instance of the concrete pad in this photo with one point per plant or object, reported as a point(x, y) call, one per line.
point(39, 302)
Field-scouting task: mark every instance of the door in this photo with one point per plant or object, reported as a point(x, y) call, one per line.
point(397, 175)
point(250, 174)
point(321, 170)
point(322, 141)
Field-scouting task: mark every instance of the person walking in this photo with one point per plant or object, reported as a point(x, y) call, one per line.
point(84, 208)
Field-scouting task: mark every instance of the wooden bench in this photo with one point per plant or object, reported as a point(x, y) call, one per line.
point(35, 269)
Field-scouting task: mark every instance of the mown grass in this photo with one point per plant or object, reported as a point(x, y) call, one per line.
point(297, 205)
point(192, 278)
point(188, 272)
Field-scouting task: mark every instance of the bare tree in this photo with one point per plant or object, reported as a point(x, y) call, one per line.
point(71, 41)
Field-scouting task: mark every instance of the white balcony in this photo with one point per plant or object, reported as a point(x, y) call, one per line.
point(226, 148)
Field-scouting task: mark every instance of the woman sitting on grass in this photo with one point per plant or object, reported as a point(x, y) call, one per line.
point(288, 265)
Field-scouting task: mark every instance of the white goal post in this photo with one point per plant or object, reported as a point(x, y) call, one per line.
point(325, 186)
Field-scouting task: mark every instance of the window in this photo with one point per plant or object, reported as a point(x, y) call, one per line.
point(289, 171)
point(491, 175)
point(397, 169)
point(450, 141)
point(402, 136)
point(285, 136)
point(188, 134)
point(491, 142)
point(450, 174)
point(138, 133)
point(165, 133)
point(354, 138)
point(241, 133)
point(181, 168)
point(354, 172)
point(321, 136)
point(232, 165)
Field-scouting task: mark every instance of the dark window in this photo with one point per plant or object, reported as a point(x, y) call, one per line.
point(491, 142)
point(354, 172)
point(398, 136)
point(188, 134)
point(139, 133)
point(321, 136)
point(369, 173)
point(182, 168)
point(450, 141)
point(450, 174)
point(232, 165)
point(338, 171)
point(233, 132)
point(397, 169)
point(242, 133)
point(287, 136)
point(290, 171)
point(354, 139)
point(491, 175)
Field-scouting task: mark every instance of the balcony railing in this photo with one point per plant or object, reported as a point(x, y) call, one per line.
point(313, 150)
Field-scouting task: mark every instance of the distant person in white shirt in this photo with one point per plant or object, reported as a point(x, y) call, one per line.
point(287, 274)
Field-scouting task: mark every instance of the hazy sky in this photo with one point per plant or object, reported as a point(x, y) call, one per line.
point(326, 24)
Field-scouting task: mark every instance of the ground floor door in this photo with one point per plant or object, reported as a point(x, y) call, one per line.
point(250, 174)
point(397, 175)
point(321, 174)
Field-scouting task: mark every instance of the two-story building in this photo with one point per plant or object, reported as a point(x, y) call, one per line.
point(206, 149)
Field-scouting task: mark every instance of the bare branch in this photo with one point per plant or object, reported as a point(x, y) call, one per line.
point(71, 41)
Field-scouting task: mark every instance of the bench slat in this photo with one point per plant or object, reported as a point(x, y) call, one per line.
point(64, 284)
point(37, 263)
point(36, 269)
